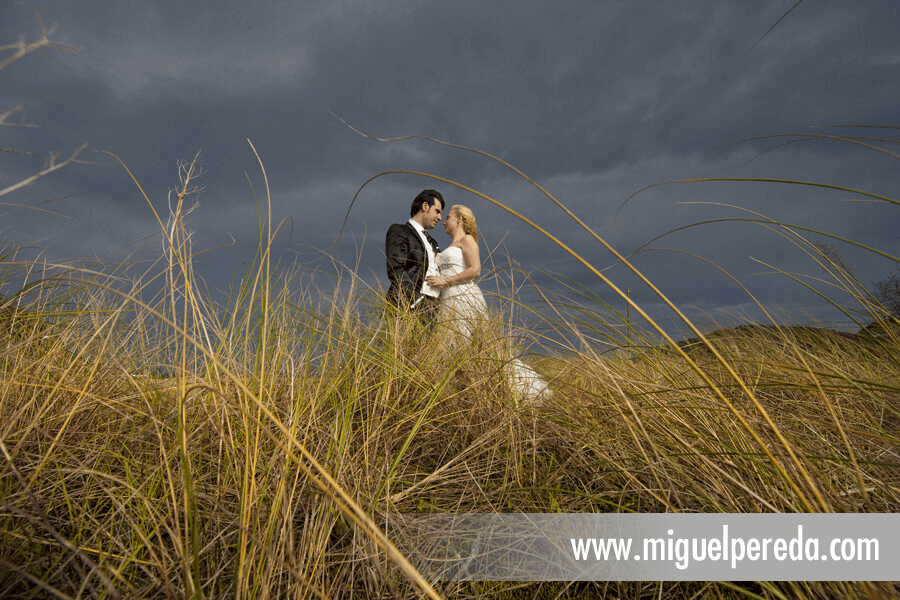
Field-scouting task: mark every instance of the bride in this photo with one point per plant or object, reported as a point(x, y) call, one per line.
point(462, 302)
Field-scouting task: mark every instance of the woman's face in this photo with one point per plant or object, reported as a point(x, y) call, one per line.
point(451, 223)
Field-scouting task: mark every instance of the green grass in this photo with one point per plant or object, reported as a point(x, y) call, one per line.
point(177, 447)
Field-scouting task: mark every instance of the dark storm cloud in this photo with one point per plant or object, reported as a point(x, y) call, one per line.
point(595, 100)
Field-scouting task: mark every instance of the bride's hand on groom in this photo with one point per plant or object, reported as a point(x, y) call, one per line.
point(435, 281)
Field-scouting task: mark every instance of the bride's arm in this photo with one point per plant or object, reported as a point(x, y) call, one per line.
point(473, 259)
point(470, 253)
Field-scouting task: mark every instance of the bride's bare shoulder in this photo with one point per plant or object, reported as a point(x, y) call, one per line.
point(469, 241)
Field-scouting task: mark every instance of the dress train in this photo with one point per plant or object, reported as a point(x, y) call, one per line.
point(463, 308)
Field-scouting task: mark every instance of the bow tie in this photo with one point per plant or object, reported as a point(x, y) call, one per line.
point(431, 241)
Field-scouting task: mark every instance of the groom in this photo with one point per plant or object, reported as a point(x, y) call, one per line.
point(410, 253)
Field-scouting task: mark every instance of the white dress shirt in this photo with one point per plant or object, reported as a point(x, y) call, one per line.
point(427, 290)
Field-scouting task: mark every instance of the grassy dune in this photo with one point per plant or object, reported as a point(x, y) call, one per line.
point(175, 447)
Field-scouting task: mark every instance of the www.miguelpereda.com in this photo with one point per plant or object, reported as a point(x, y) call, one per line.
point(682, 550)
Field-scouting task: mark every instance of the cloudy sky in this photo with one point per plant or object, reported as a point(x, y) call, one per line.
point(593, 99)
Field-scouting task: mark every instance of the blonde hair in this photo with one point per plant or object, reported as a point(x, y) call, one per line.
point(466, 218)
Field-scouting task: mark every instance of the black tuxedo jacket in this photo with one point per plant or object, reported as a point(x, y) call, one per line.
point(407, 262)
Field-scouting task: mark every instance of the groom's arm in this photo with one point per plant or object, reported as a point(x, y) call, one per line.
point(400, 265)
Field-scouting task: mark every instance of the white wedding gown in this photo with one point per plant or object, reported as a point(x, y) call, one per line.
point(463, 306)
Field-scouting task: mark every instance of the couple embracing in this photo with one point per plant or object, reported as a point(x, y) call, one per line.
point(440, 285)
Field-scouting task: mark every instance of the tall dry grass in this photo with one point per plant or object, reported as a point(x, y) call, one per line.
point(170, 446)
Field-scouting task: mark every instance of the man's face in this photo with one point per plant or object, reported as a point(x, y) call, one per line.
point(432, 215)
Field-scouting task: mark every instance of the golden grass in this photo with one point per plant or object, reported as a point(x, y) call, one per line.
point(174, 447)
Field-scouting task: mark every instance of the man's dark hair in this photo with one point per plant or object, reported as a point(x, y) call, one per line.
point(428, 197)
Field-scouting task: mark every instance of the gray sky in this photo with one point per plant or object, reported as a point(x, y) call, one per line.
point(594, 99)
